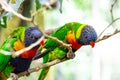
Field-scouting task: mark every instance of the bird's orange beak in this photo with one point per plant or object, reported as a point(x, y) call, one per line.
point(92, 44)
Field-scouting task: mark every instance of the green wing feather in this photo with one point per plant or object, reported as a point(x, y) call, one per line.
point(19, 33)
point(4, 59)
point(55, 51)
point(8, 45)
point(60, 33)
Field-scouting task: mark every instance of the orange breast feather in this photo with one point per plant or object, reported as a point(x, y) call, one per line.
point(18, 45)
point(71, 39)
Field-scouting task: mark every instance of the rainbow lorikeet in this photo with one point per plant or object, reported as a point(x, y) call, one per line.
point(20, 38)
point(73, 33)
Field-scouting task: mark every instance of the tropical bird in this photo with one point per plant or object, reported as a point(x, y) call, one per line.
point(73, 33)
point(20, 38)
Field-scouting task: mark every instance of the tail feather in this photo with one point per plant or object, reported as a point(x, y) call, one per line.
point(43, 73)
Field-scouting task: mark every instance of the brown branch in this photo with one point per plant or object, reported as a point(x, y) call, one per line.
point(28, 48)
point(112, 17)
point(39, 67)
point(36, 68)
point(107, 36)
point(107, 27)
point(68, 46)
point(17, 53)
point(48, 64)
point(111, 9)
point(6, 7)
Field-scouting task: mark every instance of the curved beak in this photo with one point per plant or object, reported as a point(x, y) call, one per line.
point(92, 44)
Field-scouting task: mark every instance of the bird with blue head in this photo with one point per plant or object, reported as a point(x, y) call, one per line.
point(73, 33)
point(19, 39)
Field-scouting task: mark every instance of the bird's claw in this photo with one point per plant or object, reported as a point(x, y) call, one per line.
point(28, 73)
point(70, 55)
point(14, 76)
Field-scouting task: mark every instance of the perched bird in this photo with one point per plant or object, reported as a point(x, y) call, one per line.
point(20, 38)
point(73, 33)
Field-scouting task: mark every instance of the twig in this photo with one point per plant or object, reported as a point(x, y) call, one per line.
point(39, 67)
point(10, 78)
point(111, 10)
point(107, 36)
point(58, 41)
point(68, 46)
point(108, 26)
point(112, 17)
point(48, 64)
point(14, 54)
point(6, 7)
point(28, 48)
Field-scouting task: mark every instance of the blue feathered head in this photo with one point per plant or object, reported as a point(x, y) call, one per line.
point(88, 36)
point(32, 34)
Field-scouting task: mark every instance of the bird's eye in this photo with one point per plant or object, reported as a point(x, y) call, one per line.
point(31, 37)
point(86, 37)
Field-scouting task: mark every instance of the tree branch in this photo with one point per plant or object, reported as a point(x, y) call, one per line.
point(17, 53)
point(111, 9)
point(39, 67)
point(48, 64)
point(6, 7)
point(70, 53)
point(99, 39)
point(112, 17)
point(107, 36)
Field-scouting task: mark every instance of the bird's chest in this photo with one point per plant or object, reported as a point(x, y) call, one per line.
point(18, 45)
point(72, 40)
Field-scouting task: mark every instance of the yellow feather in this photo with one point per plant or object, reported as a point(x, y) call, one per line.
point(18, 45)
point(23, 35)
point(78, 33)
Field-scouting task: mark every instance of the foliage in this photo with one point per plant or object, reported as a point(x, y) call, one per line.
point(5, 16)
point(16, 4)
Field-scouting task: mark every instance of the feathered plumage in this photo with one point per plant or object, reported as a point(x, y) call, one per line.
point(21, 38)
point(73, 33)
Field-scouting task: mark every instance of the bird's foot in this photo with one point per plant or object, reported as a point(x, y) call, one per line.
point(14, 76)
point(70, 55)
point(28, 73)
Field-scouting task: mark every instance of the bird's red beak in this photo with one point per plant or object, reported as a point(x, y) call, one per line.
point(42, 43)
point(92, 44)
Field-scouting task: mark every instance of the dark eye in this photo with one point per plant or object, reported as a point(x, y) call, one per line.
point(31, 37)
point(86, 37)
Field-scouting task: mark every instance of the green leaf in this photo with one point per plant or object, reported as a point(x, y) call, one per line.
point(4, 16)
point(38, 4)
point(60, 9)
point(13, 1)
point(3, 21)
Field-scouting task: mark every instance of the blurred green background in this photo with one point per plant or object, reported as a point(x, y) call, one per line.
point(99, 63)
